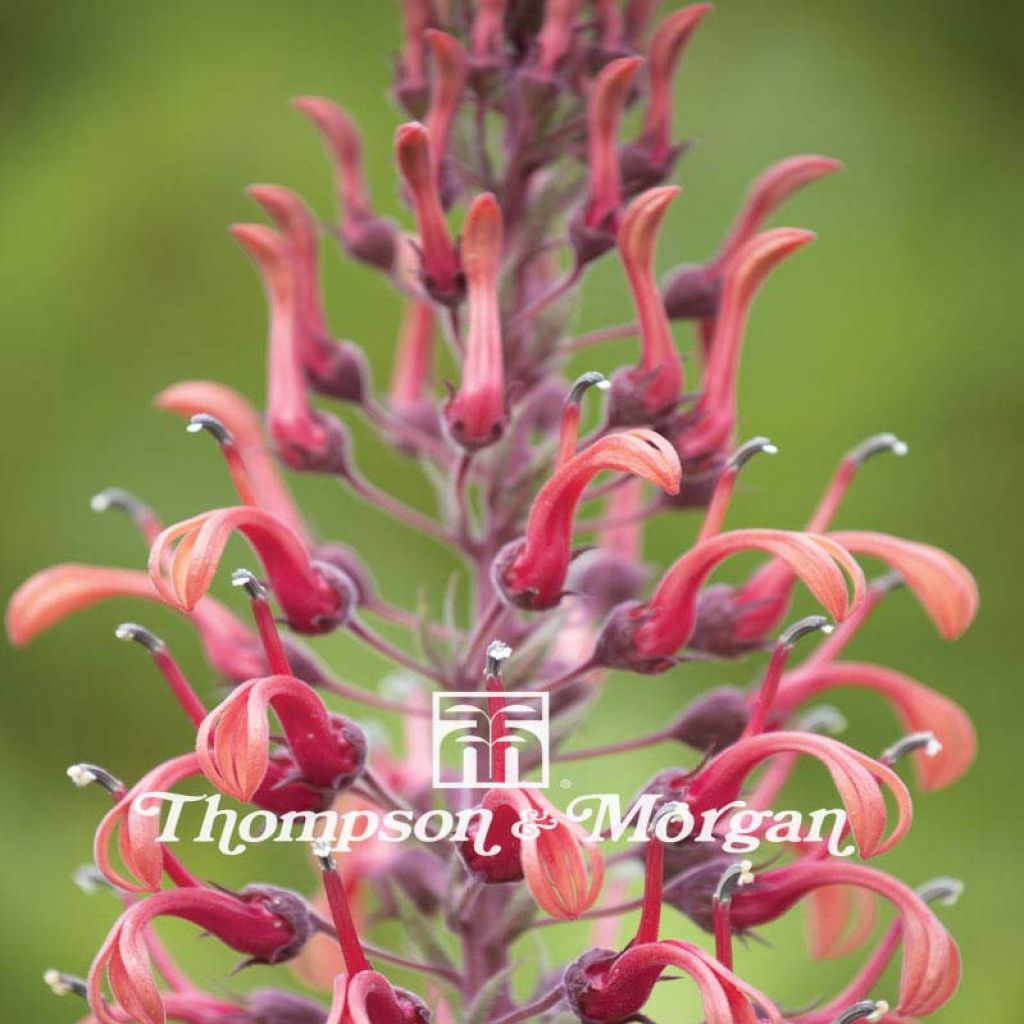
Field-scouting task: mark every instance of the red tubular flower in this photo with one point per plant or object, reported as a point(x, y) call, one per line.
point(654, 150)
point(252, 468)
point(232, 743)
point(487, 34)
point(594, 232)
point(931, 961)
point(413, 360)
point(709, 430)
point(304, 438)
point(365, 236)
point(694, 291)
point(476, 414)
point(439, 260)
point(51, 595)
point(531, 572)
point(184, 559)
point(645, 637)
point(856, 776)
point(411, 77)
point(563, 870)
point(448, 85)
point(268, 925)
point(918, 708)
point(555, 36)
point(648, 391)
point(333, 368)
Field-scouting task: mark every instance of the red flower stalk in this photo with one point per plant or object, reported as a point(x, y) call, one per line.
point(644, 393)
point(253, 471)
point(51, 595)
point(364, 235)
point(448, 85)
point(693, 291)
point(856, 777)
point(531, 572)
point(709, 430)
point(645, 637)
point(232, 743)
point(663, 56)
point(931, 961)
point(594, 232)
point(334, 368)
point(475, 414)
point(918, 708)
point(439, 261)
point(185, 557)
point(304, 438)
point(268, 925)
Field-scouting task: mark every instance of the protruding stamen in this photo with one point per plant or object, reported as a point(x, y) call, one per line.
point(726, 484)
point(498, 652)
point(247, 580)
point(909, 744)
point(348, 938)
point(943, 890)
point(749, 449)
point(811, 624)
point(138, 511)
point(735, 875)
point(240, 477)
point(277, 659)
point(140, 635)
point(874, 445)
point(83, 775)
point(204, 421)
point(324, 853)
point(870, 1010)
point(824, 720)
point(167, 666)
point(61, 984)
point(571, 412)
point(89, 879)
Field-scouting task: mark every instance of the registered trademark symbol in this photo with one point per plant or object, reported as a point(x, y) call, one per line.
point(566, 783)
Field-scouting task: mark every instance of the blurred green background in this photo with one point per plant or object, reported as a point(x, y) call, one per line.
point(130, 130)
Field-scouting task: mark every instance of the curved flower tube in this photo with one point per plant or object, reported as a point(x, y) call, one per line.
point(535, 841)
point(840, 920)
point(595, 231)
point(447, 85)
point(184, 559)
point(645, 637)
point(918, 708)
point(439, 260)
point(643, 393)
point(663, 56)
point(531, 572)
point(364, 235)
point(253, 470)
point(693, 291)
point(710, 429)
point(857, 778)
point(268, 925)
point(411, 69)
point(51, 595)
point(555, 36)
point(475, 414)
point(232, 742)
point(931, 961)
point(334, 368)
point(413, 359)
point(305, 439)
point(369, 998)
point(611, 988)
point(137, 832)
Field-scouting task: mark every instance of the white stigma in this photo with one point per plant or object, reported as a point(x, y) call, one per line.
point(933, 747)
point(56, 983)
point(81, 775)
point(498, 650)
point(322, 848)
point(881, 1009)
point(746, 875)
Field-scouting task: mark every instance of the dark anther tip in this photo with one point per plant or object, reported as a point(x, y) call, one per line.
point(585, 381)
point(140, 635)
point(811, 624)
point(748, 450)
point(248, 581)
point(323, 851)
point(824, 720)
point(943, 890)
point(735, 875)
point(498, 652)
point(123, 501)
point(870, 1010)
point(204, 421)
point(83, 775)
point(908, 744)
point(89, 879)
point(875, 445)
point(61, 984)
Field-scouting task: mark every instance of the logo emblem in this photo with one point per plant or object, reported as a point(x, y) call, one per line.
point(469, 736)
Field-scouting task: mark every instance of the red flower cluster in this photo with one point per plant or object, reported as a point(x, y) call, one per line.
point(515, 111)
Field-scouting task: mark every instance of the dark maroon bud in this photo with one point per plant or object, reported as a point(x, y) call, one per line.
point(713, 720)
point(691, 892)
point(350, 752)
point(606, 579)
point(590, 243)
point(640, 171)
point(698, 482)
point(615, 647)
point(282, 791)
point(627, 406)
point(272, 1006)
point(538, 91)
point(344, 586)
point(690, 294)
point(504, 866)
point(291, 908)
point(685, 856)
point(372, 241)
point(330, 456)
point(345, 560)
point(715, 626)
point(591, 997)
point(347, 378)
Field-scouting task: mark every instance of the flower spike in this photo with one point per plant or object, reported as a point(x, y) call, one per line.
point(439, 260)
point(185, 557)
point(531, 572)
point(476, 412)
point(232, 742)
point(646, 392)
point(645, 637)
point(334, 368)
point(365, 236)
